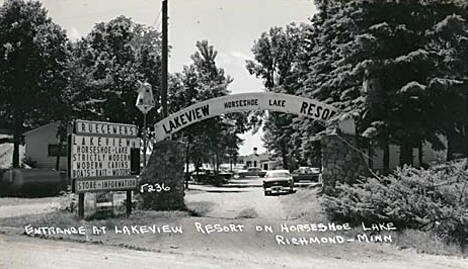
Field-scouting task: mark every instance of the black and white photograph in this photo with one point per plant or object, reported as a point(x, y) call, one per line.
point(233, 134)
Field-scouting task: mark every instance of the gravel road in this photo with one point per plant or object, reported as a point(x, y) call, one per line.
point(231, 202)
point(20, 252)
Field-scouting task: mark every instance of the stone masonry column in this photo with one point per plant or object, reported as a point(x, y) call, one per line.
point(165, 166)
point(341, 162)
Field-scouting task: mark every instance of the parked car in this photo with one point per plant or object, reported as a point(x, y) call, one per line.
point(306, 173)
point(206, 176)
point(251, 172)
point(277, 181)
point(225, 173)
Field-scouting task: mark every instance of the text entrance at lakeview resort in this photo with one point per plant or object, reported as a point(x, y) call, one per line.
point(240, 103)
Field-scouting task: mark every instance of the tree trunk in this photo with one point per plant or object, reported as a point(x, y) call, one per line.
point(218, 161)
point(187, 164)
point(284, 156)
point(420, 155)
point(406, 154)
point(465, 138)
point(386, 157)
point(57, 160)
point(450, 138)
point(465, 127)
point(16, 143)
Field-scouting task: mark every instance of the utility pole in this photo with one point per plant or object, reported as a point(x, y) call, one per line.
point(164, 60)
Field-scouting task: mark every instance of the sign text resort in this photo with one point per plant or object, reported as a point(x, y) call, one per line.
point(300, 106)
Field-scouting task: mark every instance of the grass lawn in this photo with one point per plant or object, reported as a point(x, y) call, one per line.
point(11, 201)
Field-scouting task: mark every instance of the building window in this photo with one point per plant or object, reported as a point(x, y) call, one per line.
point(53, 150)
point(255, 164)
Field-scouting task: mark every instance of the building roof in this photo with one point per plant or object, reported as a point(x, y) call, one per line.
point(41, 128)
point(262, 156)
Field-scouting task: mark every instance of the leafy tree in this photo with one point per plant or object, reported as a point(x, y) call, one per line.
point(107, 66)
point(33, 71)
point(325, 66)
point(275, 53)
point(212, 139)
point(371, 59)
point(402, 69)
point(448, 41)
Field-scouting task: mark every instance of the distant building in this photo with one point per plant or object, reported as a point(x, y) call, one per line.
point(264, 161)
point(42, 147)
point(429, 157)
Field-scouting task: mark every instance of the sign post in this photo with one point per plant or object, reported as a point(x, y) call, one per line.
point(145, 102)
point(101, 158)
point(81, 197)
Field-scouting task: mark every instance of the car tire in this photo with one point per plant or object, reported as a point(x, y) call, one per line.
point(267, 193)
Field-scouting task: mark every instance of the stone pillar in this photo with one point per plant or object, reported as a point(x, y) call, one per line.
point(165, 166)
point(341, 162)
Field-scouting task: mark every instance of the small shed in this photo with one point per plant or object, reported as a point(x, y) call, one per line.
point(42, 147)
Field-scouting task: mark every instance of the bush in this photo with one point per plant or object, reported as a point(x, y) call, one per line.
point(68, 201)
point(27, 161)
point(435, 199)
point(247, 213)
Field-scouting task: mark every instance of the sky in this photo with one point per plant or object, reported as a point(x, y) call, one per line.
point(231, 26)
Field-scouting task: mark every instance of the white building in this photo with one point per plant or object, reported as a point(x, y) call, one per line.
point(263, 161)
point(429, 156)
point(42, 147)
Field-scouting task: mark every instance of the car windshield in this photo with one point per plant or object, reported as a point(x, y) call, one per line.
point(315, 170)
point(307, 170)
point(278, 174)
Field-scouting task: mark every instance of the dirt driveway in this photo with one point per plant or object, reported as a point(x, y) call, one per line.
point(14, 207)
point(193, 249)
point(22, 252)
point(236, 202)
point(240, 198)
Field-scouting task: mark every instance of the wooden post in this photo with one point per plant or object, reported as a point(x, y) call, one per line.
point(129, 203)
point(144, 141)
point(164, 60)
point(81, 197)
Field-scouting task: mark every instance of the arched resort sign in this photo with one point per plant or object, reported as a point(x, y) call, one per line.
point(239, 103)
